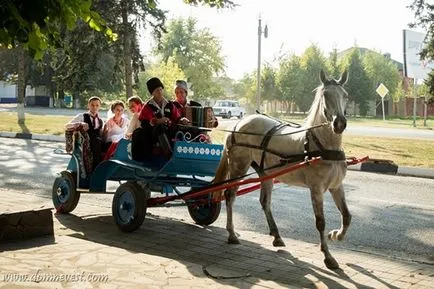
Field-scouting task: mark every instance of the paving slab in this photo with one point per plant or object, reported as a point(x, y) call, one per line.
point(88, 251)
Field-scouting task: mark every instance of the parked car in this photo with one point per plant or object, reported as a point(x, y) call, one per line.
point(228, 109)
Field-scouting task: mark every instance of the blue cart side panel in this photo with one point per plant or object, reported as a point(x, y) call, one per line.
point(123, 152)
point(198, 151)
point(195, 159)
point(190, 158)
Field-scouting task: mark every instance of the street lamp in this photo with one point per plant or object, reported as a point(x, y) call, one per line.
point(258, 88)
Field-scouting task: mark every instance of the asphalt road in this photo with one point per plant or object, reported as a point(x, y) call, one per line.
point(392, 215)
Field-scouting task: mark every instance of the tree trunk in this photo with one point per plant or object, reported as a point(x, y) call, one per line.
point(127, 49)
point(61, 98)
point(21, 86)
point(76, 99)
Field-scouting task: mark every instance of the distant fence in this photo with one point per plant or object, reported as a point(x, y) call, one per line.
point(405, 107)
point(8, 100)
point(30, 100)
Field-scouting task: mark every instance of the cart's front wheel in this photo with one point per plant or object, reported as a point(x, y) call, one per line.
point(205, 213)
point(129, 206)
point(65, 196)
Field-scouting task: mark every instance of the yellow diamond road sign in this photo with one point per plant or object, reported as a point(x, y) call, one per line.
point(382, 90)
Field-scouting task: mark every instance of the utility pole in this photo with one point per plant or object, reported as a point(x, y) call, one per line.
point(258, 85)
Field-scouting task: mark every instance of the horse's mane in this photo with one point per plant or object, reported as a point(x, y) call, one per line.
point(317, 108)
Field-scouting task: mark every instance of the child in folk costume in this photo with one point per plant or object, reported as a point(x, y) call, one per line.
point(92, 124)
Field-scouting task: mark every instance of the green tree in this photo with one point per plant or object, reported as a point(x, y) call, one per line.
point(168, 72)
point(86, 64)
point(228, 86)
point(312, 62)
point(133, 13)
point(245, 88)
point(269, 87)
point(290, 79)
point(359, 86)
point(19, 68)
point(335, 69)
point(35, 23)
point(197, 52)
point(37, 26)
point(380, 69)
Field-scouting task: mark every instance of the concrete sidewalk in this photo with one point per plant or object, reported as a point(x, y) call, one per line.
point(88, 251)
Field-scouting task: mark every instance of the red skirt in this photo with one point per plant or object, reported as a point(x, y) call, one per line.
point(110, 151)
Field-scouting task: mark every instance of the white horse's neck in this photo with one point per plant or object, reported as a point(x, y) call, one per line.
point(325, 134)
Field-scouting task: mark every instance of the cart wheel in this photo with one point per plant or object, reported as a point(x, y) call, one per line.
point(65, 196)
point(205, 214)
point(129, 206)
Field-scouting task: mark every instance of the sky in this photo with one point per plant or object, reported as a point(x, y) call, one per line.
point(295, 25)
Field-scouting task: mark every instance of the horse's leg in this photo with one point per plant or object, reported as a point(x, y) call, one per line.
point(265, 199)
point(230, 199)
point(317, 203)
point(339, 198)
point(238, 166)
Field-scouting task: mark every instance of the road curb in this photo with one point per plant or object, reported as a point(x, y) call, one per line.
point(401, 171)
point(380, 166)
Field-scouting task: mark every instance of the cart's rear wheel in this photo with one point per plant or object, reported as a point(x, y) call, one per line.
point(205, 214)
point(129, 206)
point(65, 196)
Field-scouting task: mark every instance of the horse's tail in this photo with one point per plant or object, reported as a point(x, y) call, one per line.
point(222, 171)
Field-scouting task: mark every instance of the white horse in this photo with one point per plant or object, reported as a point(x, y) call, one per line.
point(261, 142)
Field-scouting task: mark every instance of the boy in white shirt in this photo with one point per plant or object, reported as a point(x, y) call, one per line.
point(92, 124)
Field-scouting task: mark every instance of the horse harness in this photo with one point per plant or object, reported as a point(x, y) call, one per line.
point(331, 155)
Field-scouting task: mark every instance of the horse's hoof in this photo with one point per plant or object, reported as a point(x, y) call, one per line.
point(331, 263)
point(278, 243)
point(335, 235)
point(234, 241)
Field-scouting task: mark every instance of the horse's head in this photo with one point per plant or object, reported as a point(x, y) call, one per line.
point(335, 100)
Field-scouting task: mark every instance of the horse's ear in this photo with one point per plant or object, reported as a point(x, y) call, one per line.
point(323, 77)
point(344, 77)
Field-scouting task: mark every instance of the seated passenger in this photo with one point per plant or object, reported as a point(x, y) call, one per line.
point(158, 119)
point(91, 123)
point(181, 92)
point(135, 104)
point(114, 128)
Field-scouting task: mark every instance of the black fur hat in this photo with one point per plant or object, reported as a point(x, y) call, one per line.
point(153, 84)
